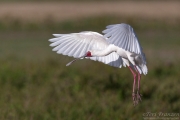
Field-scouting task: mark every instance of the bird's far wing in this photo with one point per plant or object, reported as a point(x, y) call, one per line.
point(77, 45)
point(123, 36)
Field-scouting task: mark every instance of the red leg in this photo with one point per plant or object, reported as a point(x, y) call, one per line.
point(134, 84)
point(139, 78)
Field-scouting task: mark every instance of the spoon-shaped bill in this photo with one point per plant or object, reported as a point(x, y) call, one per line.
point(75, 60)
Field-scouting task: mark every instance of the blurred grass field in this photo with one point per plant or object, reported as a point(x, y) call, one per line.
point(35, 84)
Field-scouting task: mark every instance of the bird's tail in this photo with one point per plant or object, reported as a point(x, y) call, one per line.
point(144, 69)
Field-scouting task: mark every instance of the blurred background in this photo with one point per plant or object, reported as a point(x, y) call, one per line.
point(35, 84)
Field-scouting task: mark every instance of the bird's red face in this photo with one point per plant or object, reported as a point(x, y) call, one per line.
point(88, 54)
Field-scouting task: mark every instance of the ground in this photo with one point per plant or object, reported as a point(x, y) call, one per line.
point(61, 11)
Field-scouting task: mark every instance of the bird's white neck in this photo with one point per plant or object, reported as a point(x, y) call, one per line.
point(111, 48)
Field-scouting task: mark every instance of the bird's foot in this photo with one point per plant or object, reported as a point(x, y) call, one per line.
point(136, 98)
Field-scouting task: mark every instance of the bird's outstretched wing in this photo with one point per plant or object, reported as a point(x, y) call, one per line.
point(77, 44)
point(123, 36)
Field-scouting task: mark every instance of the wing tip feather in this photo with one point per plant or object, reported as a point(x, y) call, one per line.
point(57, 35)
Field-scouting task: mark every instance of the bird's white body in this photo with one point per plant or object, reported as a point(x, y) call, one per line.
point(119, 46)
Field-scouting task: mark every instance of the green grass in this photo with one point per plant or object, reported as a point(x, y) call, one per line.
point(35, 83)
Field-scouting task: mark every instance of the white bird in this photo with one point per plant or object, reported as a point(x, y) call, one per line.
point(119, 46)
